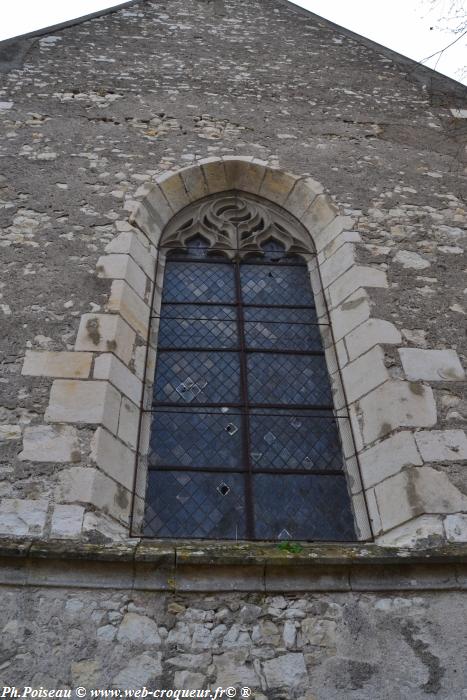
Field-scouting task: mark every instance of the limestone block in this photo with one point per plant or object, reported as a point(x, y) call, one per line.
point(337, 264)
point(9, 432)
point(277, 185)
point(244, 174)
point(113, 457)
point(90, 486)
point(415, 492)
point(74, 401)
point(373, 332)
point(442, 445)
point(22, 517)
point(425, 528)
point(456, 527)
point(434, 365)
point(355, 278)
point(133, 243)
point(411, 260)
point(339, 238)
point(319, 215)
point(319, 632)
point(47, 443)
point(302, 196)
point(148, 219)
point(67, 521)
point(231, 669)
point(364, 374)
point(328, 236)
point(194, 183)
point(287, 671)
point(396, 404)
point(130, 306)
point(373, 512)
point(139, 671)
point(86, 673)
point(388, 458)
point(128, 423)
point(214, 173)
point(109, 367)
point(174, 190)
point(106, 333)
point(73, 365)
point(138, 629)
point(123, 267)
point(350, 313)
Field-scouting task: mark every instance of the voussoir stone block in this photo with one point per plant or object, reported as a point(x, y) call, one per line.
point(277, 185)
point(50, 443)
point(43, 363)
point(87, 402)
point(319, 215)
point(244, 174)
point(388, 458)
point(302, 196)
point(434, 365)
point(194, 183)
point(396, 404)
point(106, 333)
point(335, 266)
point(442, 445)
point(214, 173)
point(174, 190)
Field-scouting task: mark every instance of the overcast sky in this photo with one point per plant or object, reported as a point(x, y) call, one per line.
point(403, 25)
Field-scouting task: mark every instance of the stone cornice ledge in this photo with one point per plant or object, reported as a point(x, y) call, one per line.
point(226, 566)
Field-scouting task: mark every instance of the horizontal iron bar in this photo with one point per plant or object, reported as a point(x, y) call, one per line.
point(268, 351)
point(253, 414)
point(286, 407)
point(234, 320)
point(244, 470)
point(234, 305)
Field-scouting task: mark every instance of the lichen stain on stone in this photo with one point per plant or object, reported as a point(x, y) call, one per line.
point(412, 491)
point(385, 429)
point(422, 650)
point(92, 327)
point(111, 345)
point(121, 498)
point(416, 388)
point(76, 456)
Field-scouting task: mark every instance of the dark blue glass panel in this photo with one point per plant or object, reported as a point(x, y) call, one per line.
point(196, 439)
point(288, 379)
point(309, 507)
point(267, 284)
point(294, 441)
point(282, 329)
point(195, 505)
point(197, 377)
point(188, 325)
point(199, 282)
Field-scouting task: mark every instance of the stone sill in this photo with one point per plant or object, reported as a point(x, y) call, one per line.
point(206, 567)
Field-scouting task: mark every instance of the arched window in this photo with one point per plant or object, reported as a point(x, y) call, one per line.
point(244, 442)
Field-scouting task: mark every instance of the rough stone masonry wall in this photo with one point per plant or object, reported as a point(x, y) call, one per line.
point(101, 108)
point(309, 647)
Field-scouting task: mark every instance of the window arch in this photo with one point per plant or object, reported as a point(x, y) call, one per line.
point(244, 442)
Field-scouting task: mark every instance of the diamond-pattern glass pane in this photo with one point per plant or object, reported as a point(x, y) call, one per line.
point(267, 284)
point(195, 505)
point(282, 329)
point(188, 325)
point(310, 507)
point(288, 379)
point(199, 282)
point(196, 439)
point(294, 441)
point(197, 377)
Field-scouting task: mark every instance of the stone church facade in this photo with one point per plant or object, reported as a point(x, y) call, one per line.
point(123, 137)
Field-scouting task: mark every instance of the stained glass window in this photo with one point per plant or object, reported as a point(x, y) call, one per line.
point(244, 442)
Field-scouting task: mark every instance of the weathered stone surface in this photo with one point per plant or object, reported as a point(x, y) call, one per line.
point(411, 260)
point(113, 457)
point(288, 671)
point(435, 365)
point(396, 404)
point(106, 333)
point(364, 374)
point(22, 517)
point(73, 401)
point(138, 629)
point(456, 527)
point(442, 445)
point(130, 306)
point(109, 367)
point(73, 365)
point(139, 671)
point(373, 332)
point(10, 432)
point(67, 521)
point(47, 443)
point(389, 457)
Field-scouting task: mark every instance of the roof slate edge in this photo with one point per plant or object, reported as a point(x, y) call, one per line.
point(419, 71)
